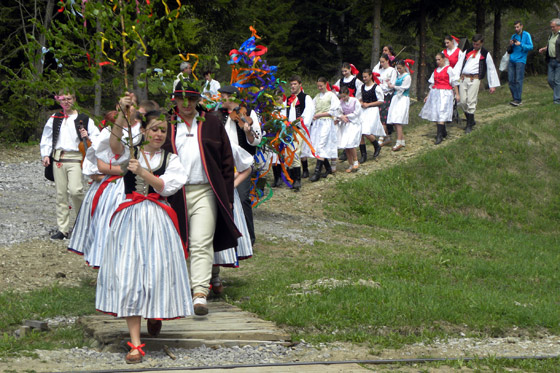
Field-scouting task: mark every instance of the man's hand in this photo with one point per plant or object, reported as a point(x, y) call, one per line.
point(543, 49)
point(46, 161)
point(83, 133)
point(492, 90)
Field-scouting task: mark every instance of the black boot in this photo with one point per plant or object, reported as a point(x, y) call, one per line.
point(343, 157)
point(363, 152)
point(305, 173)
point(439, 136)
point(296, 177)
point(277, 171)
point(444, 134)
point(317, 174)
point(328, 169)
point(377, 148)
point(470, 123)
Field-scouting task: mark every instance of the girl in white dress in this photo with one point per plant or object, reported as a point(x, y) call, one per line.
point(349, 127)
point(350, 80)
point(388, 75)
point(438, 105)
point(372, 99)
point(398, 111)
point(323, 131)
point(144, 272)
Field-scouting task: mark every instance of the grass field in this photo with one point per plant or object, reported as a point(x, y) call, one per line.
point(461, 240)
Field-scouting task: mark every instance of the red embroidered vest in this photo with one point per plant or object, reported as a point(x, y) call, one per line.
point(441, 79)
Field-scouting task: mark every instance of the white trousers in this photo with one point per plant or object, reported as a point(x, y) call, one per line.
point(69, 186)
point(468, 90)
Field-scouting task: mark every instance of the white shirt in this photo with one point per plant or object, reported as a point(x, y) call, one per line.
point(406, 83)
point(472, 67)
point(359, 84)
point(231, 129)
point(211, 87)
point(188, 150)
point(242, 159)
point(308, 113)
point(68, 139)
point(388, 75)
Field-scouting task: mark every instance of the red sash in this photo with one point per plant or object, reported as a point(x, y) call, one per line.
point(100, 191)
point(156, 198)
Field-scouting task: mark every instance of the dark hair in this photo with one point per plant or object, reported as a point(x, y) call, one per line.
point(367, 71)
point(206, 72)
point(441, 55)
point(322, 80)
point(448, 37)
point(517, 23)
point(344, 90)
point(401, 63)
point(149, 105)
point(385, 56)
point(295, 78)
point(346, 65)
point(478, 37)
point(391, 50)
point(151, 115)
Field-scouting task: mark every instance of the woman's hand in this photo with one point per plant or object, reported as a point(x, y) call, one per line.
point(344, 118)
point(134, 167)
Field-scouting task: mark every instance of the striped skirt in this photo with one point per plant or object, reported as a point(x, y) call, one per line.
point(112, 196)
point(244, 250)
point(82, 237)
point(143, 271)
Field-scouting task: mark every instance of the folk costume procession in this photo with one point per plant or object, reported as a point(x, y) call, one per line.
point(171, 195)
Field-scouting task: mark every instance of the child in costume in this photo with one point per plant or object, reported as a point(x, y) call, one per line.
point(398, 111)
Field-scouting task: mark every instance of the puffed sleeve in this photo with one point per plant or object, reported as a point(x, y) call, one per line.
point(46, 138)
point(89, 166)
point(491, 73)
point(241, 158)
point(353, 116)
point(359, 85)
point(103, 151)
point(256, 127)
point(379, 93)
point(92, 129)
point(174, 177)
point(431, 80)
point(334, 110)
point(309, 111)
point(406, 83)
point(453, 78)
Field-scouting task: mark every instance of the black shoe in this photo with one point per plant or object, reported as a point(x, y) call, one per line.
point(343, 157)
point(439, 136)
point(328, 169)
point(297, 179)
point(317, 174)
point(363, 152)
point(305, 173)
point(470, 121)
point(377, 148)
point(444, 134)
point(59, 236)
point(277, 171)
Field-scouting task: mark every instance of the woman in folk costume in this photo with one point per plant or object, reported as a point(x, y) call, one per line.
point(323, 130)
point(144, 272)
point(372, 99)
point(230, 258)
point(387, 75)
point(438, 105)
point(398, 111)
point(390, 52)
point(452, 52)
point(350, 80)
point(349, 127)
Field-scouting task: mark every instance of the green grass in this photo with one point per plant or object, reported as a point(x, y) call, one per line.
point(40, 305)
point(461, 239)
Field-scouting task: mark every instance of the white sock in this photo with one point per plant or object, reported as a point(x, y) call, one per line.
point(356, 163)
point(402, 143)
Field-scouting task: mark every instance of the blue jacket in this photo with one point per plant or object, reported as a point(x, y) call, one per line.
point(520, 51)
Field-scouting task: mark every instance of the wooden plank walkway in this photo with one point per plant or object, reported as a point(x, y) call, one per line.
point(225, 326)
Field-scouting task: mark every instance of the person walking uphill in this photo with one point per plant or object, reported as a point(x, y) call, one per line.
point(520, 45)
point(553, 59)
point(476, 64)
point(204, 206)
point(62, 135)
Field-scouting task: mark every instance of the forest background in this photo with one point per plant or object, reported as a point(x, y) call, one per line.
point(89, 44)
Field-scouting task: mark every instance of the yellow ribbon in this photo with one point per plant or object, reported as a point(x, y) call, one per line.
point(187, 59)
point(141, 41)
point(103, 39)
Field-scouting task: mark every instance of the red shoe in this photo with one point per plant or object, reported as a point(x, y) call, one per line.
point(136, 358)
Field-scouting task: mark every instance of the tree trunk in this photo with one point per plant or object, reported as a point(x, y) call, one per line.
point(423, 30)
point(480, 17)
point(497, 32)
point(376, 33)
point(98, 83)
point(140, 66)
point(38, 64)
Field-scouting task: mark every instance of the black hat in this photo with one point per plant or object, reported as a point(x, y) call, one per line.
point(229, 89)
point(188, 91)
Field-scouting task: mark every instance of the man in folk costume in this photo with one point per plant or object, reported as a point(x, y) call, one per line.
point(244, 131)
point(61, 139)
point(476, 64)
point(298, 106)
point(204, 206)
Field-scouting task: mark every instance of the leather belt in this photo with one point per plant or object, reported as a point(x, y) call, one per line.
point(471, 76)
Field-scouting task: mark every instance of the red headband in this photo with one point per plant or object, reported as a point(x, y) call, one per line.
point(375, 78)
point(456, 39)
point(353, 70)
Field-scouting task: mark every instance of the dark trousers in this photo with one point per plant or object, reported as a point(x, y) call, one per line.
point(243, 189)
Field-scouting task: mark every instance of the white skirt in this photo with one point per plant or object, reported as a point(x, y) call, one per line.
point(323, 138)
point(398, 111)
point(438, 106)
point(111, 198)
point(82, 237)
point(144, 271)
point(244, 250)
point(371, 123)
point(349, 134)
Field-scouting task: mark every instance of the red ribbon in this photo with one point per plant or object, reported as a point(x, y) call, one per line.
point(139, 348)
point(105, 63)
point(99, 192)
point(291, 99)
point(375, 78)
point(156, 198)
point(408, 63)
point(473, 54)
point(456, 39)
point(354, 70)
point(88, 59)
